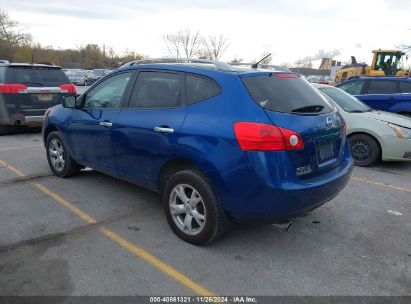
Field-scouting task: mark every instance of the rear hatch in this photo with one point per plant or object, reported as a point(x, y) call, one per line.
point(291, 102)
point(34, 88)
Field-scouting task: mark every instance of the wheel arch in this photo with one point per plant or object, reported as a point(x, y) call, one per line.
point(47, 131)
point(175, 165)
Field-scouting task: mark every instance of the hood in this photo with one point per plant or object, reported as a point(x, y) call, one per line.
point(396, 119)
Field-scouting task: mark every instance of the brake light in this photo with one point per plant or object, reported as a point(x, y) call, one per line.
point(253, 136)
point(12, 88)
point(285, 75)
point(68, 88)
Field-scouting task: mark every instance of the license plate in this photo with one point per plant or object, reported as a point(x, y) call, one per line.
point(325, 151)
point(45, 97)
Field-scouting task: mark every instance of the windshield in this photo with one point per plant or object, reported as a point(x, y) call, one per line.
point(389, 62)
point(37, 76)
point(99, 72)
point(286, 94)
point(346, 101)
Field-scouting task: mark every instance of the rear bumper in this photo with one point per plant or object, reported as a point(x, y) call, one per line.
point(277, 205)
point(29, 121)
point(271, 192)
point(21, 120)
point(34, 120)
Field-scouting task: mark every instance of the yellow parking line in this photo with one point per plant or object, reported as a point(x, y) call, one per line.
point(130, 247)
point(381, 184)
point(155, 262)
point(85, 217)
point(17, 148)
point(11, 168)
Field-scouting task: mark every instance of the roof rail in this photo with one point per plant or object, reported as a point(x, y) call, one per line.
point(218, 64)
point(46, 63)
point(5, 61)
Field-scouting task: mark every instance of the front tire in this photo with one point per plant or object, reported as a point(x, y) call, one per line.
point(58, 156)
point(365, 150)
point(192, 208)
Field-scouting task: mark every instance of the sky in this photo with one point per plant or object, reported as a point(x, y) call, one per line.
point(292, 30)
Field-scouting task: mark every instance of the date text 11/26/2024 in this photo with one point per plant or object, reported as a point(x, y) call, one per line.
point(203, 299)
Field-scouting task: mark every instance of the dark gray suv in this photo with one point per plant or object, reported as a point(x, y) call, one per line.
point(27, 91)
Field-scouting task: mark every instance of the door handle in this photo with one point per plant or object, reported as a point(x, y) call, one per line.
point(106, 124)
point(163, 130)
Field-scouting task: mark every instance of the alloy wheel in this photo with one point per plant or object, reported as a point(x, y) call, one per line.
point(56, 152)
point(187, 209)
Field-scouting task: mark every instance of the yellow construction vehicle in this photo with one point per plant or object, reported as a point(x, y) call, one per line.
point(384, 63)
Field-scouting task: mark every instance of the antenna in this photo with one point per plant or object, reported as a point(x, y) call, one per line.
point(255, 65)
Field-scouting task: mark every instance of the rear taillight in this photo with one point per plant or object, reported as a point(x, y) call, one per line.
point(253, 136)
point(68, 88)
point(12, 88)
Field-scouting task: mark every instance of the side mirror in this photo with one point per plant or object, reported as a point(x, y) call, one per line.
point(70, 101)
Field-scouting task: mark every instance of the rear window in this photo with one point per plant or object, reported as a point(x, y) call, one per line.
point(37, 76)
point(405, 86)
point(287, 95)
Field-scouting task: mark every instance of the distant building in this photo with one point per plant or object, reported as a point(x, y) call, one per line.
point(327, 63)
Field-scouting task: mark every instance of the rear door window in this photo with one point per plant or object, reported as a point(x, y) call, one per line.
point(199, 88)
point(36, 76)
point(352, 87)
point(382, 87)
point(287, 95)
point(157, 90)
point(405, 86)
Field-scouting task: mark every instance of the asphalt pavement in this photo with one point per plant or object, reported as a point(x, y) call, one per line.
point(94, 235)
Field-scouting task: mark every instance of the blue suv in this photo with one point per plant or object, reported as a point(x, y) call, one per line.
point(221, 143)
point(391, 94)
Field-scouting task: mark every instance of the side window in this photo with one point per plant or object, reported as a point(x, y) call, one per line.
point(109, 93)
point(157, 90)
point(199, 88)
point(382, 87)
point(405, 86)
point(352, 87)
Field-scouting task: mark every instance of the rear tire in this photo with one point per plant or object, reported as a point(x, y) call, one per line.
point(192, 208)
point(58, 156)
point(365, 150)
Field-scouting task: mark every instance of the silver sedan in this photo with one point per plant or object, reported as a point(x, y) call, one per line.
point(373, 135)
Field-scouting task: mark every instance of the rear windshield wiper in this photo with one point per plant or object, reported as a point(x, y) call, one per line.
point(309, 109)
